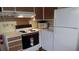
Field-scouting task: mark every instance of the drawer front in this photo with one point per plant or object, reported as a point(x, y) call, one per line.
point(15, 43)
point(14, 38)
point(15, 48)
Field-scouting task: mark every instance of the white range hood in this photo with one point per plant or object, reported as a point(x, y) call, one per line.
point(18, 14)
point(24, 14)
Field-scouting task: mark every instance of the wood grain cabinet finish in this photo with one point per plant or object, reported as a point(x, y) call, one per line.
point(22, 21)
point(15, 48)
point(39, 12)
point(14, 38)
point(25, 9)
point(8, 8)
point(13, 43)
point(48, 12)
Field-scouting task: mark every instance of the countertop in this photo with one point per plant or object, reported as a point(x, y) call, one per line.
point(12, 34)
point(17, 33)
point(51, 29)
point(48, 29)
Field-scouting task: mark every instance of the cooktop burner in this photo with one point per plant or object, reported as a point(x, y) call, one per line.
point(28, 31)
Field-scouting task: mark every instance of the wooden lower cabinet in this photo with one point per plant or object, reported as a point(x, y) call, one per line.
point(15, 48)
point(13, 38)
point(13, 43)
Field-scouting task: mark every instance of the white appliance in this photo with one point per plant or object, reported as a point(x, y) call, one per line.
point(66, 29)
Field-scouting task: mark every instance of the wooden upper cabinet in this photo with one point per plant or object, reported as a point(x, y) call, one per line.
point(8, 8)
point(25, 9)
point(39, 12)
point(48, 13)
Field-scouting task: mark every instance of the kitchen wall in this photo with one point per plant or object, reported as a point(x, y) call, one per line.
point(0, 18)
point(8, 26)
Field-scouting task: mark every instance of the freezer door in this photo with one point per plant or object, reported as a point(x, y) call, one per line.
point(67, 17)
point(65, 39)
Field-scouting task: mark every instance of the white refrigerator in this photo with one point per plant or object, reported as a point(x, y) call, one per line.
point(66, 29)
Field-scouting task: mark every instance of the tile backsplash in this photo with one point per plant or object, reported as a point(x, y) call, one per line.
point(7, 26)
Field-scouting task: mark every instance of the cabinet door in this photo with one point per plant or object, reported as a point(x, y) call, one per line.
point(15, 48)
point(39, 12)
point(47, 41)
point(25, 9)
point(8, 8)
point(48, 13)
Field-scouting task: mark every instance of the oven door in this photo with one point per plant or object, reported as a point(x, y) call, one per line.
point(26, 41)
point(30, 40)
